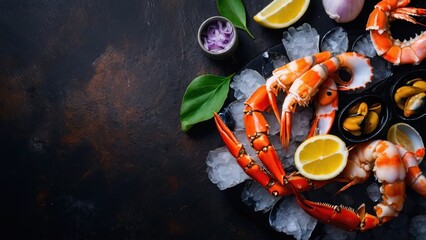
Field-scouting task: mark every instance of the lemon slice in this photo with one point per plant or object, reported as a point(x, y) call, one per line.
point(281, 13)
point(321, 157)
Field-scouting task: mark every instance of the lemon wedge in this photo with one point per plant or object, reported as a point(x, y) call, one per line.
point(321, 157)
point(281, 13)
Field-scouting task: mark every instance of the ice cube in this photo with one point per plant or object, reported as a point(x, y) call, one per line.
point(364, 45)
point(245, 83)
point(236, 109)
point(274, 126)
point(223, 169)
point(271, 61)
point(336, 41)
point(257, 197)
point(382, 69)
point(288, 217)
point(301, 123)
point(301, 41)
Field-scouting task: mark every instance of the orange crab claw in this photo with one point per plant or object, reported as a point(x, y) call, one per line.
point(339, 216)
point(257, 129)
point(250, 167)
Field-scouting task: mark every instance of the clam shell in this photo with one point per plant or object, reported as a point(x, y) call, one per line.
point(416, 141)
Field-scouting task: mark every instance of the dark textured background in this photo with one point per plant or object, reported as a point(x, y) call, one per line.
point(90, 139)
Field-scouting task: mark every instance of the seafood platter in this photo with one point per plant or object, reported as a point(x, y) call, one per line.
point(368, 90)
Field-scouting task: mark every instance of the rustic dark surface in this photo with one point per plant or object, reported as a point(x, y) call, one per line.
point(90, 138)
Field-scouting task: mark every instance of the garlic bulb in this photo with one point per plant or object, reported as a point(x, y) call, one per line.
point(343, 11)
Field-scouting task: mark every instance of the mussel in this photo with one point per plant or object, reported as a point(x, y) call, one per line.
point(362, 119)
point(410, 98)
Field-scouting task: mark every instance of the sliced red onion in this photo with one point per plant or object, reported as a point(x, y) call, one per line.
point(218, 36)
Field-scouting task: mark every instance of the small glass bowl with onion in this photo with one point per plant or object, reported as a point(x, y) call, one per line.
point(217, 37)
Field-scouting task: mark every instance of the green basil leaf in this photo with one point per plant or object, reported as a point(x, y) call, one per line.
point(234, 11)
point(204, 95)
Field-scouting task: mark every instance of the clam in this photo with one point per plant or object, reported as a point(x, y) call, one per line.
point(406, 136)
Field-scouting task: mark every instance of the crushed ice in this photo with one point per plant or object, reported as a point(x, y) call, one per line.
point(236, 109)
point(336, 41)
point(301, 41)
point(288, 217)
point(223, 170)
point(364, 45)
point(245, 83)
point(271, 61)
point(257, 197)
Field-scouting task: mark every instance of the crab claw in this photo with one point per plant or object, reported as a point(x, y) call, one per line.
point(338, 215)
point(250, 167)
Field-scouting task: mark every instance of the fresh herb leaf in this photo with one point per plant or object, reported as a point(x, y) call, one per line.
point(234, 11)
point(204, 95)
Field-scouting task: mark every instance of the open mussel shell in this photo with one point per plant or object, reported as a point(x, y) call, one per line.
point(407, 80)
point(383, 118)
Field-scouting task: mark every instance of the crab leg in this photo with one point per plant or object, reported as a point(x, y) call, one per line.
point(257, 129)
point(256, 172)
point(338, 215)
point(249, 166)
